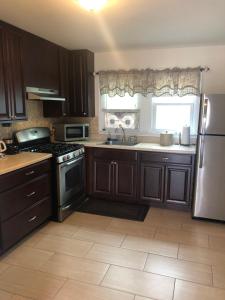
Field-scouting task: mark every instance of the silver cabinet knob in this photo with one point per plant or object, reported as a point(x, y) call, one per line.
point(165, 159)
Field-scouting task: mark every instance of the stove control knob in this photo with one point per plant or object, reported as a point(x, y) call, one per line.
point(68, 156)
point(64, 158)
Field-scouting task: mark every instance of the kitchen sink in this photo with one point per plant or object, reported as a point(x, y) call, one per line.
point(120, 143)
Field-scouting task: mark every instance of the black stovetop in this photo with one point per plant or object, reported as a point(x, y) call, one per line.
point(56, 149)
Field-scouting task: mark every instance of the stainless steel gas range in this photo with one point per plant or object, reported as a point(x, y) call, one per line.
point(68, 165)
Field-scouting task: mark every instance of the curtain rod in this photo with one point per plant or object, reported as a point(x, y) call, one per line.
point(202, 69)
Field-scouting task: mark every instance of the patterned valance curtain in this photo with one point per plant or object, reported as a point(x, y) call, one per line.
point(168, 82)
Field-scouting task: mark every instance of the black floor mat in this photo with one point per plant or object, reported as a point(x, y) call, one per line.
point(114, 209)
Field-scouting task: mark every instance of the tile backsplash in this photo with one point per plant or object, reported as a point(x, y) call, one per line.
point(35, 119)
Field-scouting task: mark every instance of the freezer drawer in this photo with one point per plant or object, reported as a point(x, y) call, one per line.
point(209, 198)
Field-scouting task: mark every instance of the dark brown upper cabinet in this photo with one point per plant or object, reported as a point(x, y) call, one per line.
point(40, 62)
point(82, 83)
point(58, 108)
point(12, 89)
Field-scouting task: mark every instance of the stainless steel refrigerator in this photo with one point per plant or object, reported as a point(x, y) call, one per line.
point(209, 193)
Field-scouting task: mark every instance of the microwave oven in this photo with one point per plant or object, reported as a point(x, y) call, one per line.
point(71, 132)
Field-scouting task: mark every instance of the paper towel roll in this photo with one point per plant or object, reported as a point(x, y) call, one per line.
point(185, 136)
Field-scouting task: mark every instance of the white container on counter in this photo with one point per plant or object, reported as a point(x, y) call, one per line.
point(185, 136)
point(166, 139)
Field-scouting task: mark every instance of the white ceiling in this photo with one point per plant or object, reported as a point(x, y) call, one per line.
point(122, 23)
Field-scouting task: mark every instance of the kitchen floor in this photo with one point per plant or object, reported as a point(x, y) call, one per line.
point(90, 257)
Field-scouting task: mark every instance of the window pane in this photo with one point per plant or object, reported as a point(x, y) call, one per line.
point(172, 117)
point(120, 103)
point(127, 120)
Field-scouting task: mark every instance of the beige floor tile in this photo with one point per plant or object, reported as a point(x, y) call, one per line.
point(88, 220)
point(182, 236)
point(7, 296)
point(100, 236)
point(76, 268)
point(180, 269)
point(205, 227)
point(190, 291)
point(140, 283)
point(28, 257)
point(142, 298)
point(131, 227)
point(64, 245)
point(167, 218)
point(3, 267)
point(118, 256)
point(61, 229)
point(32, 239)
point(201, 255)
point(219, 276)
point(30, 283)
point(74, 290)
point(217, 243)
point(151, 246)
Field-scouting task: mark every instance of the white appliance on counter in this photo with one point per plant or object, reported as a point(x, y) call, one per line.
point(209, 197)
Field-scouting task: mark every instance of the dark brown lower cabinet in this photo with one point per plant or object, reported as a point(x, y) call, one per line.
point(102, 179)
point(25, 202)
point(166, 179)
point(152, 183)
point(125, 181)
point(112, 174)
point(177, 185)
point(152, 178)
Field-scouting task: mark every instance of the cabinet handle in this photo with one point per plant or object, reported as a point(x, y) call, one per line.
point(32, 219)
point(165, 158)
point(84, 113)
point(31, 194)
point(29, 173)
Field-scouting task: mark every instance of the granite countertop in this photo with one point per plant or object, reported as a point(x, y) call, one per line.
point(11, 163)
point(143, 147)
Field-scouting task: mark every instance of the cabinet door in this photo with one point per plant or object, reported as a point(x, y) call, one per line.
point(5, 108)
point(177, 185)
point(152, 182)
point(40, 62)
point(60, 108)
point(102, 179)
point(13, 42)
point(125, 181)
point(82, 84)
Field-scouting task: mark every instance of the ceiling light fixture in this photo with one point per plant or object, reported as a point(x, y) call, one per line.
point(92, 4)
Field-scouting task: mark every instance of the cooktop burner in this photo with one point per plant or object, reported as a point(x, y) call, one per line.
point(56, 149)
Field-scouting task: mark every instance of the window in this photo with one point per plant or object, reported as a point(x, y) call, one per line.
point(149, 115)
point(172, 113)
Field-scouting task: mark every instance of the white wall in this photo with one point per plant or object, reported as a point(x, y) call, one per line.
point(211, 56)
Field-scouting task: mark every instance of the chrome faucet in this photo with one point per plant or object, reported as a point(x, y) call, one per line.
point(124, 135)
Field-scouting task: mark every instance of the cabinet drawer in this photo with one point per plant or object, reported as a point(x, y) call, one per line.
point(184, 159)
point(18, 226)
point(21, 197)
point(115, 154)
point(23, 175)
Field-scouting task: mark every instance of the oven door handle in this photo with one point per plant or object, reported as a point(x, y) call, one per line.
point(72, 162)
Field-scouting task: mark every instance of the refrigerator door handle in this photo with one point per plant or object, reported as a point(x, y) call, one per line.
point(201, 151)
point(204, 115)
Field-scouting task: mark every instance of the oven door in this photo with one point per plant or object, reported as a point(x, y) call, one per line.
point(71, 184)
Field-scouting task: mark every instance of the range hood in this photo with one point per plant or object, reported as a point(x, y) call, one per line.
point(34, 93)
